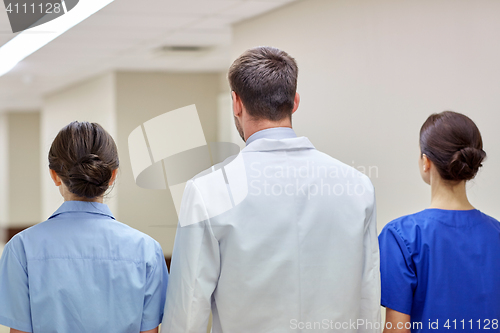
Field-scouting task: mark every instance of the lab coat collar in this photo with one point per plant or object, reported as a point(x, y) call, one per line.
point(83, 206)
point(283, 144)
point(276, 133)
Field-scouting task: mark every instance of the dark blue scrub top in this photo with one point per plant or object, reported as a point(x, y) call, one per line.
point(442, 267)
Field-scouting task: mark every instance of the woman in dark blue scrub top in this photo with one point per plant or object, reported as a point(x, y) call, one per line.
point(81, 270)
point(440, 268)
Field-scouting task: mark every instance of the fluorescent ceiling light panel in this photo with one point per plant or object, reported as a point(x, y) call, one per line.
point(31, 40)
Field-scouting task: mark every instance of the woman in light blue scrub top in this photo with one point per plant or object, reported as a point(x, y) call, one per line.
point(440, 268)
point(81, 270)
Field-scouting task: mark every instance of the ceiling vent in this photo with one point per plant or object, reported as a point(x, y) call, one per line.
point(176, 51)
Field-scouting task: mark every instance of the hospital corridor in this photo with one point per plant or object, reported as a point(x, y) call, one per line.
point(315, 162)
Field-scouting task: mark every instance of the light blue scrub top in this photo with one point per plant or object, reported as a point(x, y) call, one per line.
point(82, 271)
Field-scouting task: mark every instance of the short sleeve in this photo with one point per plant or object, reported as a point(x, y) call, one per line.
point(397, 271)
point(14, 290)
point(155, 293)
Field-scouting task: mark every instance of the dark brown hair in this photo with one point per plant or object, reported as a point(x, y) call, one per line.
point(453, 143)
point(265, 78)
point(84, 156)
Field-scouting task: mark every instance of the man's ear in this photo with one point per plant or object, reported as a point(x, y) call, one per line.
point(296, 102)
point(55, 178)
point(113, 176)
point(237, 105)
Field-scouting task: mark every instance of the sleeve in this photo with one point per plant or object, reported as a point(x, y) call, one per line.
point(194, 271)
point(370, 289)
point(155, 292)
point(397, 269)
point(14, 290)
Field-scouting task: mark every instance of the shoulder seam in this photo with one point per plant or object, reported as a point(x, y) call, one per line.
point(17, 258)
point(398, 231)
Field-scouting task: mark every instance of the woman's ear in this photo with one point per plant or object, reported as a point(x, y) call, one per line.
point(55, 178)
point(425, 168)
point(113, 176)
point(426, 163)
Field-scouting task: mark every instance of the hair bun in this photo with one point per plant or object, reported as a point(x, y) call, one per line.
point(89, 177)
point(465, 163)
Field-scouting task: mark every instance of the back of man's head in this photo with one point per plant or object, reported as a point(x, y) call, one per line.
point(265, 79)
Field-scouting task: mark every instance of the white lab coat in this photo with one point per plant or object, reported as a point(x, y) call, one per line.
point(296, 250)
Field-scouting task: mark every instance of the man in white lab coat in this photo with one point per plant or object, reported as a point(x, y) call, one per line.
point(280, 238)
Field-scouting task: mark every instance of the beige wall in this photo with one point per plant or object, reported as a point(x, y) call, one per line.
point(24, 176)
point(372, 71)
point(140, 97)
point(4, 170)
point(19, 172)
point(225, 118)
point(92, 100)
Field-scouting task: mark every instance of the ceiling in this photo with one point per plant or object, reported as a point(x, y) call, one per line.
point(128, 36)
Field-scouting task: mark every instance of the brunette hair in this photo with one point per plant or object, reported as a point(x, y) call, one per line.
point(265, 78)
point(84, 156)
point(453, 143)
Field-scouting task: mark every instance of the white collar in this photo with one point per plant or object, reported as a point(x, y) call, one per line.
point(283, 144)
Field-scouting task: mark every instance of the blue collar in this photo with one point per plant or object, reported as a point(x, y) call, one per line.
point(455, 218)
point(275, 133)
point(85, 207)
